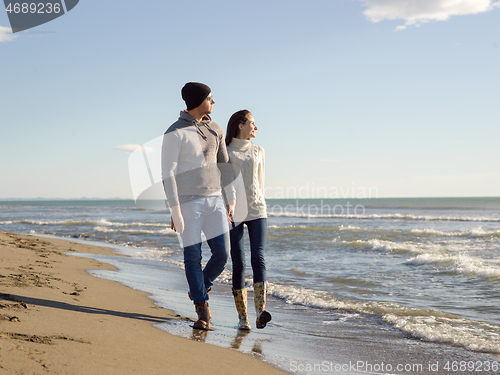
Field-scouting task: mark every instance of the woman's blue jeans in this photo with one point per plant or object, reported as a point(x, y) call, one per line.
point(257, 230)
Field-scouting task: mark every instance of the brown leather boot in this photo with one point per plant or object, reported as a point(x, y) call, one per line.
point(204, 316)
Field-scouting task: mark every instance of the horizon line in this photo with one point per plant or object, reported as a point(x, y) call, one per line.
point(316, 198)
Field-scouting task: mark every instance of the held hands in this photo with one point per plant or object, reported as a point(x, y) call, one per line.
point(176, 220)
point(230, 210)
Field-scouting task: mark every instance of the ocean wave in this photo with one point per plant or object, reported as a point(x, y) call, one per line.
point(477, 232)
point(475, 336)
point(315, 228)
point(350, 228)
point(132, 231)
point(472, 233)
point(460, 263)
point(104, 222)
point(389, 246)
point(291, 226)
point(56, 222)
point(162, 255)
point(100, 222)
point(425, 324)
point(384, 217)
point(425, 254)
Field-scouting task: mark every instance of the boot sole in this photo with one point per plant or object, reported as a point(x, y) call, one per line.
point(244, 327)
point(264, 318)
point(200, 324)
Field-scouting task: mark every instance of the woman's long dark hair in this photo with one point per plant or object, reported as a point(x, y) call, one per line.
point(236, 119)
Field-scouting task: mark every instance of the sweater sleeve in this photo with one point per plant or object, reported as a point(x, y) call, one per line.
point(169, 159)
point(226, 170)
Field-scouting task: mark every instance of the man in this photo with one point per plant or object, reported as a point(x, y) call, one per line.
point(194, 161)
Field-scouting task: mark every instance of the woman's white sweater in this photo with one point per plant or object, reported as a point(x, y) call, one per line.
point(247, 160)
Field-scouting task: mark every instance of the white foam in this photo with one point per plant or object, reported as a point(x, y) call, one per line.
point(432, 232)
point(384, 245)
point(155, 254)
point(426, 324)
point(104, 222)
point(469, 334)
point(106, 229)
point(460, 263)
point(286, 226)
point(349, 228)
point(386, 217)
point(57, 222)
point(476, 232)
point(101, 223)
point(479, 232)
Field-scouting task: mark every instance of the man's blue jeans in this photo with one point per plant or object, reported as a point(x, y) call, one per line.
point(257, 230)
point(207, 215)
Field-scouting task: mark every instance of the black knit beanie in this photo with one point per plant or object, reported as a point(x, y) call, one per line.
point(194, 93)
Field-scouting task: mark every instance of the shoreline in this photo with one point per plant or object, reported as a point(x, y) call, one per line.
point(56, 317)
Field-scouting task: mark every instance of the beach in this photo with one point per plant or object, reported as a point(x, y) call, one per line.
point(58, 319)
point(400, 286)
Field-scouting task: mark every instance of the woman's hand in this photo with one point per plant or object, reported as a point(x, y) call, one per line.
point(230, 210)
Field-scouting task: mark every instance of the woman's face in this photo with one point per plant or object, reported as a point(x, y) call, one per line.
point(248, 129)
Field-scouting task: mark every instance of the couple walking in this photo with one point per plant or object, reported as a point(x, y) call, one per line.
point(216, 190)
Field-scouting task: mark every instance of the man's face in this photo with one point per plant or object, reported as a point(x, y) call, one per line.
point(207, 105)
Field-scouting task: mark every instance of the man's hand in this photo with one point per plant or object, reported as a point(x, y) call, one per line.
point(230, 210)
point(176, 220)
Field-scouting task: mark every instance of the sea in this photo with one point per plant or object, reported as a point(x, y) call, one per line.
point(365, 282)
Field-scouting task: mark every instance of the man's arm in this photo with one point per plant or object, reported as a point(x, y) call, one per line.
point(169, 160)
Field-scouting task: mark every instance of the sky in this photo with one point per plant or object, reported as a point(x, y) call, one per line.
point(352, 98)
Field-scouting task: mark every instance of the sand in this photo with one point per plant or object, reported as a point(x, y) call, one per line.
point(56, 318)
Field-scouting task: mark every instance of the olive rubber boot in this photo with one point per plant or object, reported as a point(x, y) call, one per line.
point(259, 293)
point(240, 300)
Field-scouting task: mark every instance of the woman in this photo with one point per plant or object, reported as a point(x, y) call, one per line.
point(248, 159)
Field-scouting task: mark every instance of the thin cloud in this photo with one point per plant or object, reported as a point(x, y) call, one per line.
point(328, 160)
point(129, 148)
point(417, 12)
point(6, 34)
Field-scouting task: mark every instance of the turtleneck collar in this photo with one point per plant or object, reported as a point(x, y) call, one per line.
point(242, 144)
